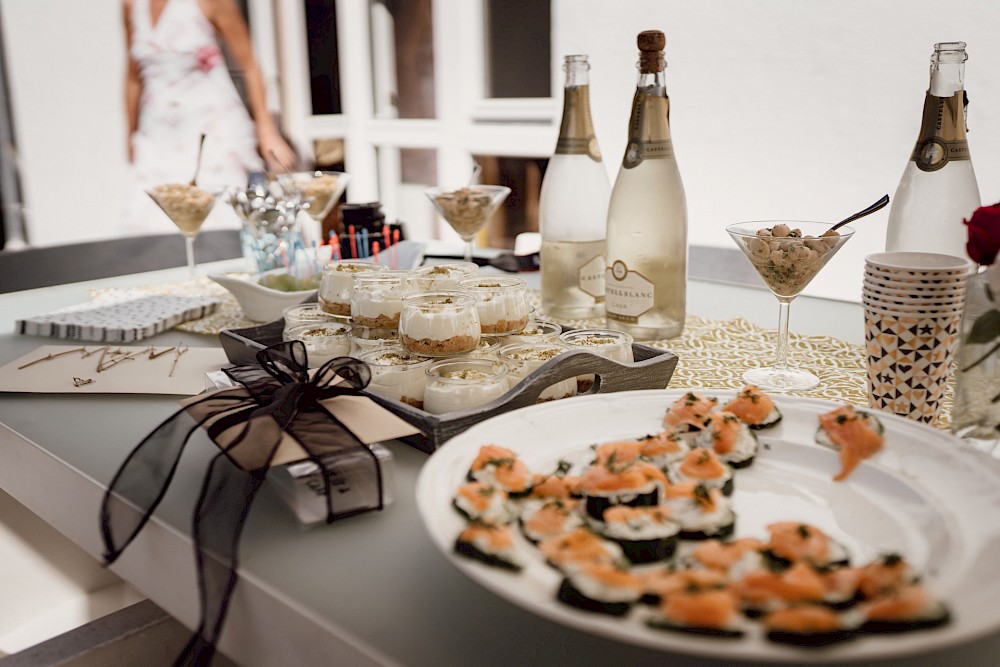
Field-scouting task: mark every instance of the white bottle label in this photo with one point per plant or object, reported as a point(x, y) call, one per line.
point(590, 277)
point(629, 294)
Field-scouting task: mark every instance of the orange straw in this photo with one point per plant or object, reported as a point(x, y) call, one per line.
point(375, 250)
point(354, 242)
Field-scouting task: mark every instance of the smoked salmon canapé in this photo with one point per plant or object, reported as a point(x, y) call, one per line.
point(730, 437)
point(491, 544)
point(703, 466)
point(664, 448)
point(908, 608)
point(702, 513)
point(548, 518)
point(481, 502)
point(808, 625)
point(688, 413)
point(855, 434)
point(794, 541)
point(645, 534)
point(704, 612)
point(754, 407)
point(635, 483)
point(601, 587)
point(500, 467)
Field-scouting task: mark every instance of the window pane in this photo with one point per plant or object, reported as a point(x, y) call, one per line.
point(324, 72)
point(403, 58)
point(518, 57)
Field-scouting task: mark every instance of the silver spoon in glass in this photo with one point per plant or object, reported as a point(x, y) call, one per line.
point(881, 203)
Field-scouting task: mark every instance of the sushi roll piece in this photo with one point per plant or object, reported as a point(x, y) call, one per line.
point(754, 407)
point(688, 413)
point(645, 534)
point(762, 591)
point(793, 541)
point(729, 437)
point(733, 559)
point(636, 483)
point(557, 485)
point(543, 520)
point(702, 612)
point(855, 434)
point(702, 513)
point(500, 467)
point(578, 547)
point(807, 625)
point(663, 582)
point(703, 466)
point(909, 608)
point(664, 448)
point(884, 575)
point(481, 502)
point(490, 544)
point(601, 587)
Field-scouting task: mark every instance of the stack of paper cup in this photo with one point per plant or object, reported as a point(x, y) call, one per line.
point(913, 308)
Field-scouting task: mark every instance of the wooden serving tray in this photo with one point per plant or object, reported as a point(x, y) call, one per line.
point(652, 369)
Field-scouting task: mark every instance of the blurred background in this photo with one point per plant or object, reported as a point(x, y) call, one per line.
point(780, 109)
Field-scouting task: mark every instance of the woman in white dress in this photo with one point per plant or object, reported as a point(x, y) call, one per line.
point(177, 88)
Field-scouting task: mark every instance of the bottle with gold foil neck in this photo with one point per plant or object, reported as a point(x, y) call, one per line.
point(938, 189)
point(647, 217)
point(573, 208)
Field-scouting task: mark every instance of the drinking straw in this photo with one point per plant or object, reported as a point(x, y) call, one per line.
point(335, 243)
point(364, 243)
point(385, 237)
point(395, 249)
point(354, 241)
point(375, 250)
point(315, 260)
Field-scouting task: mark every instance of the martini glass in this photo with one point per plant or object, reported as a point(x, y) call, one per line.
point(187, 206)
point(316, 192)
point(787, 254)
point(468, 209)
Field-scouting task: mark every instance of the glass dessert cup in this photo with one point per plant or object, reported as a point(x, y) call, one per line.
point(787, 254)
point(187, 206)
point(468, 209)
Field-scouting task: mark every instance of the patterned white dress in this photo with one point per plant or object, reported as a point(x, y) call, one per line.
point(186, 91)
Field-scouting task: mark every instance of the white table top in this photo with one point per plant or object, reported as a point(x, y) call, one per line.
point(372, 589)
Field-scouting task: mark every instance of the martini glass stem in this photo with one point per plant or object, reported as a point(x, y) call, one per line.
point(781, 351)
point(468, 251)
point(189, 249)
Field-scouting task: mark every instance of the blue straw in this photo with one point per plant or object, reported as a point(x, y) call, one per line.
point(364, 243)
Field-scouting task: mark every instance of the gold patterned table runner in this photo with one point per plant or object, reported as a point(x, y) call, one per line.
point(713, 354)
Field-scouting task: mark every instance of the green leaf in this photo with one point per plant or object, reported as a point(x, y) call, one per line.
point(986, 327)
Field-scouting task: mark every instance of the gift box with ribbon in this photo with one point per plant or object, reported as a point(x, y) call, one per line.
point(278, 414)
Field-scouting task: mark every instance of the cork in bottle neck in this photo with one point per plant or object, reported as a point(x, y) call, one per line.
point(651, 44)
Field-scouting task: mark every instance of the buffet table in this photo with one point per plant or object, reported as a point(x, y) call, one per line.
point(371, 589)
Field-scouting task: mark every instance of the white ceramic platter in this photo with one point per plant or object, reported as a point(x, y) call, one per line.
point(925, 495)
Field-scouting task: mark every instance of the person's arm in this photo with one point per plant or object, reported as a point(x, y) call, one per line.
point(133, 82)
point(228, 21)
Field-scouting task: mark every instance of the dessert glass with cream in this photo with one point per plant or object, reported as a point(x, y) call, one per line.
point(501, 301)
point(378, 298)
point(366, 339)
point(337, 285)
point(323, 340)
point(536, 331)
point(488, 348)
point(442, 276)
point(522, 359)
point(462, 384)
point(307, 313)
point(397, 374)
point(608, 343)
point(439, 324)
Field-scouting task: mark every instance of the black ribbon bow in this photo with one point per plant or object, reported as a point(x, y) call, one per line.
point(274, 398)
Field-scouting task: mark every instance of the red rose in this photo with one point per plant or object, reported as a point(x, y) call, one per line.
point(984, 234)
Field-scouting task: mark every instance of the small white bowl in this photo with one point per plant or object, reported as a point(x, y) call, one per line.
point(259, 303)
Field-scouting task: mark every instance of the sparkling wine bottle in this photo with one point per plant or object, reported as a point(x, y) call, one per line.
point(573, 208)
point(938, 188)
point(647, 216)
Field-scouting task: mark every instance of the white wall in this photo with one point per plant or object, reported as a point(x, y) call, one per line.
point(65, 62)
point(790, 108)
